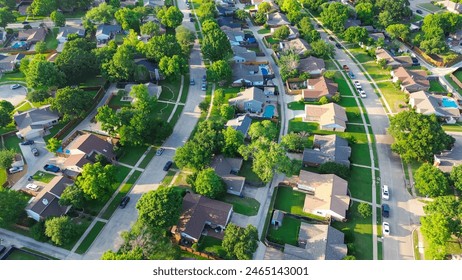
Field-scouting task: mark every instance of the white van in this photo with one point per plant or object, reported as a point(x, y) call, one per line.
point(385, 193)
point(32, 187)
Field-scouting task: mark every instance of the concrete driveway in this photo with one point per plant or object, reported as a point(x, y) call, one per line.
point(14, 96)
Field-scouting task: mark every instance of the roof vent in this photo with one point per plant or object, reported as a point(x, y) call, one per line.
point(104, 150)
point(45, 201)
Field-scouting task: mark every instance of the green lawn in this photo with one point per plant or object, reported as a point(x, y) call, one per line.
point(352, 110)
point(177, 114)
point(360, 183)
point(184, 93)
point(8, 128)
point(361, 55)
point(82, 225)
point(43, 177)
point(289, 200)
point(116, 102)
point(122, 192)
point(171, 89)
point(429, 6)
point(453, 84)
point(3, 176)
point(131, 155)
point(458, 75)
point(376, 72)
point(394, 96)
point(12, 142)
point(246, 171)
point(50, 39)
point(452, 127)
point(190, 256)
point(164, 110)
point(13, 77)
point(295, 105)
point(88, 240)
point(20, 255)
point(264, 31)
point(211, 245)
point(297, 125)
point(285, 234)
point(360, 154)
point(358, 231)
point(147, 158)
point(24, 106)
point(168, 178)
point(342, 85)
point(437, 87)
point(242, 205)
point(55, 129)
point(330, 65)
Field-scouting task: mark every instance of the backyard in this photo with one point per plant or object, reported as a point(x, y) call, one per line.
point(43, 177)
point(437, 87)
point(287, 233)
point(250, 176)
point(242, 205)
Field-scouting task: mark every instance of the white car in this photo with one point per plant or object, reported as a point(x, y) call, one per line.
point(386, 228)
point(357, 84)
point(362, 93)
point(32, 187)
point(385, 193)
point(15, 169)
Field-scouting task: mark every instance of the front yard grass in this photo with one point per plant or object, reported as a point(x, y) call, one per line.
point(264, 31)
point(82, 226)
point(330, 65)
point(131, 155)
point(360, 183)
point(342, 85)
point(12, 142)
point(246, 171)
point(394, 97)
point(171, 89)
point(376, 72)
point(164, 110)
point(211, 245)
point(13, 77)
point(352, 110)
point(3, 176)
point(43, 177)
point(437, 87)
point(242, 205)
point(358, 231)
point(295, 105)
point(88, 240)
point(147, 159)
point(452, 127)
point(168, 178)
point(25, 106)
point(360, 55)
point(429, 6)
point(55, 129)
point(287, 233)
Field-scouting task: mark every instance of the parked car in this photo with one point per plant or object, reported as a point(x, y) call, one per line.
point(385, 193)
point(124, 201)
point(192, 82)
point(385, 210)
point(419, 12)
point(191, 19)
point(28, 142)
point(15, 169)
point(15, 86)
point(351, 75)
point(386, 228)
point(51, 168)
point(346, 68)
point(357, 84)
point(204, 87)
point(168, 165)
point(338, 45)
point(362, 93)
point(32, 187)
point(159, 151)
point(331, 38)
point(204, 79)
point(35, 152)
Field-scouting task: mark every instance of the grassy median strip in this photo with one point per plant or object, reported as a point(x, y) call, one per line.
point(147, 159)
point(91, 236)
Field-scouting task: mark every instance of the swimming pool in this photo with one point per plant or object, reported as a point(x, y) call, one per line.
point(449, 103)
point(264, 71)
point(18, 44)
point(268, 111)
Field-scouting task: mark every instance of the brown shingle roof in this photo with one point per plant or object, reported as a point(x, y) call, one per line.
point(411, 77)
point(319, 87)
point(89, 143)
point(76, 160)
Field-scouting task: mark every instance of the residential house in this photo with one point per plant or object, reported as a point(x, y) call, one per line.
point(317, 242)
point(275, 20)
point(18, 57)
point(327, 148)
point(352, 22)
point(243, 55)
point(225, 10)
point(47, 203)
point(7, 63)
point(201, 215)
point(441, 106)
point(377, 35)
point(327, 194)
point(32, 35)
point(151, 3)
point(411, 80)
point(227, 169)
point(319, 87)
point(105, 32)
point(235, 37)
point(312, 65)
point(152, 68)
point(384, 54)
point(91, 145)
point(298, 46)
point(73, 165)
point(241, 123)
point(250, 100)
point(35, 122)
point(329, 116)
point(229, 23)
point(67, 30)
point(246, 75)
point(293, 33)
point(415, 26)
point(452, 6)
point(404, 60)
point(153, 91)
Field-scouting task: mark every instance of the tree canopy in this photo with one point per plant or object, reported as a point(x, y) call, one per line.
point(42, 74)
point(456, 176)
point(356, 34)
point(13, 204)
point(334, 16)
point(72, 102)
point(128, 18)
point(219, 71)
point(232, 140)
point(58, 18)
point(42, 7)
point(266, 128)
point(171, 17)
point(103, 13)
point(6, 16)
point(209, 184)
point(215, 45)
point(6, 110)
point(240, 243)
point(161, 46)
point(96, 180)
point(61, 230)
point(431, 181)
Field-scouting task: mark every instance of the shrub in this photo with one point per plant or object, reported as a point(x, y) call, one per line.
point(329, 74)
point(38, 232)
point(323, 100)
point(365, 210)
point(331, 167)
point(336, 98)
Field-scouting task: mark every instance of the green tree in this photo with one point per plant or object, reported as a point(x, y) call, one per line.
point(43, 74)
point(206, 11)
point(161, 46)
point(39, 95)
point(233, 139)
point(313, 5)
point(398, 30)
point(171, 17)
point(96, 180)
point(240, 14)
point(456, 176)
point(104, 13)
point(322, 49)
point(6, 16)
point(58, 18)
point(42, 7)
point(122, 66)
point(6, 109)
point(6, 158)
point(215, 45)
point(365, 12)
point(150, 28)
point(435, 228)
point(13, 204)
point(61, 230)
point(293, 142)
point(356, 34)
point(334, 16)
point(365, 210)
point(397, 9)
point(240, 243)
point(160, 208)
point(323, 100)
point(431, 181)
point(8, 4)
point(184, 37)
point(264, 7)
point(219, 70)
point(172, 66)
point(260, 18)
point(209, 184)
point(227, 112)
point(41, 47)
point(109, 120)
point(71, 102)
point(73, 195)
point(265, 128)
point(384, 19)
point(128, 19)
point(307, 30)
point(288, 64)
point(417, 136)
point(281, 33)
point(53, 144)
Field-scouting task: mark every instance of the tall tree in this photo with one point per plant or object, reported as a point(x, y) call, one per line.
point(96, 180)
point(58, 18)
point(233, 139)
point(104, 13)
point(128, 19)
point(356, 34)
point(122, 66)
point(307, 30)
point(171, 17)
point(266, 128)
point(334, 16)
point(6, 110)
point(398, 30)
point(42, 7)
point(322, 49)
point(159, 208)
point(61, 230)
point(456, 176)
point(43, 74)
point(215, 45)
point(240, 243)
point(293, 142)
point(209, 184)
point(6, 158)
point(161, 46)
point(365, 12)
point(71, 102)
point(13, 203)
point(184, 37)
point(206, 11)
point(172, 66)
point(53, 144)
point(6, 16)
point(219, 71)
point(109, 120)
point(73, 195)
point(150, 28)
point(281, 33)
point(431, 181)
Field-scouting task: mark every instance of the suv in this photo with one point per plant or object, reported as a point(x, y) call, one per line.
point(28, 142)
point(192, 82)
point(204, 87)
point(15, 169)
point(124, 202)
point(168, 165)
point(385, 210)
point(351, 75)
point(51, 168)
point(338, 45)
point(385, 193)
point(357, 84)
point(35, 152)
point(159, 151)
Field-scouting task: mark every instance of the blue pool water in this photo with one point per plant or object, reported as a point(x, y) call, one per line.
point(449, 103)
point(17, 45)
point(264, 71)
point(268, 112)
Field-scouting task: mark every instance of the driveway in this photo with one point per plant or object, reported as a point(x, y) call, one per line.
point(14, 96)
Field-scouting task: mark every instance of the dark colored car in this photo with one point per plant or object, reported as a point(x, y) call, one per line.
point(28, 142)
point(331, 38)
point(124, 201)
point(35, 152)
point(385, 210)
point(338, 45)
point(191, 19)
point(419, 12)
point(168, 165)
point(51, 168)
point(204, 78)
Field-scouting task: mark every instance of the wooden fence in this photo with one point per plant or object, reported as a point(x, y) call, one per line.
point(201, 254)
